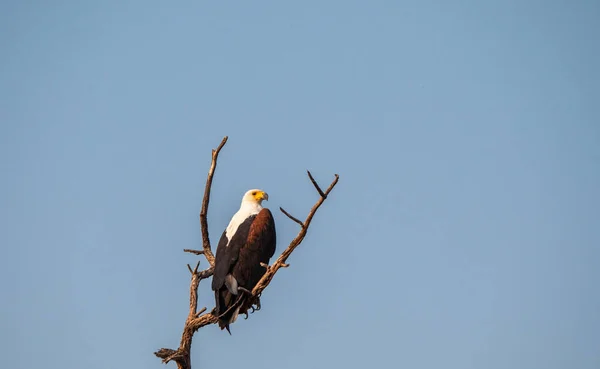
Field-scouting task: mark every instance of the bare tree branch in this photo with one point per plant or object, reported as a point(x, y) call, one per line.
point(198, 319)
point(195, 319)
point(204, 210)
point(280, 262)
point(196, 252)
point(292, 217)
point(319, 190)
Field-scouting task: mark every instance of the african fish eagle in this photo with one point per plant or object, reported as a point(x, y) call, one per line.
point(248, 241)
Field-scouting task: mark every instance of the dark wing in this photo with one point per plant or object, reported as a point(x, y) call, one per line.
point(258, 248)
point(220, 266)
point(227, 254)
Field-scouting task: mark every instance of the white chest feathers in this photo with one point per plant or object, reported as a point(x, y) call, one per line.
point(247, 209)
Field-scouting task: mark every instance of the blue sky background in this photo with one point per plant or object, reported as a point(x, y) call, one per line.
point(464, 232)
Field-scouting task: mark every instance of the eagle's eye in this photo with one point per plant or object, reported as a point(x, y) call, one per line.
point(254, 193)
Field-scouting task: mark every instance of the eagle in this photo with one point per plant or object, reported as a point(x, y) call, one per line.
point(246, 245)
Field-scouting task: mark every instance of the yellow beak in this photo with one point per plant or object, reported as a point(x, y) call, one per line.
point(261, 195)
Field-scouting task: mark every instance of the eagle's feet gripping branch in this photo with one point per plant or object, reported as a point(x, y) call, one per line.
point(255, 306)
point(252, 302)
point(198, 318)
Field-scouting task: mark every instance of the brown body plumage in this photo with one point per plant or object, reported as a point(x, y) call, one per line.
point(248, 241)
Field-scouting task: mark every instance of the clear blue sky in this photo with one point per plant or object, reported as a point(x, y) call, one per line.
point(464, 232)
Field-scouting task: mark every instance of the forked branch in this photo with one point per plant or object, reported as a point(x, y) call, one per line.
point(280, 262)
point(198, 319)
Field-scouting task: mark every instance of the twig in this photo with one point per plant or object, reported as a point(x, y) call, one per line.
point(200, 312)
point(196, 252)
point(292, 217)
point(319, 190)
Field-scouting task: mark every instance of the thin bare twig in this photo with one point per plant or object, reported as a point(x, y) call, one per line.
point(198, 319)
point(292, 217)
point(319, 190)
point(201, 311)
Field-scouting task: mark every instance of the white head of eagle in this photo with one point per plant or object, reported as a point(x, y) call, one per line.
point(248, 241)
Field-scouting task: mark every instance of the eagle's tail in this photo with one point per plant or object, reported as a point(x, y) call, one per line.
point(228, 307)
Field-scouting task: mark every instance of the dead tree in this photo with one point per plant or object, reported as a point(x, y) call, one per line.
point(198, 319)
